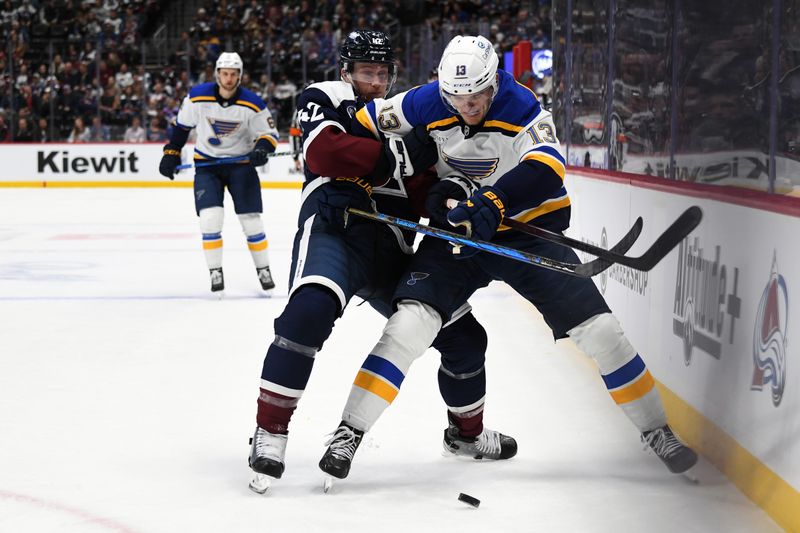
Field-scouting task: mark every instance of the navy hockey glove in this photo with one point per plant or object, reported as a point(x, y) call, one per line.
point(481, 213)
point(258, 157)
point(169, 161)
point(335, 197)
point(450, 188)
point(403, 157)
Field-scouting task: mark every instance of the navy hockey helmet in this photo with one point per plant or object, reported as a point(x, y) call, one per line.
point(367, 46)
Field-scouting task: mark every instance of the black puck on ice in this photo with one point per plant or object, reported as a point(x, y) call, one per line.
point(469, 500)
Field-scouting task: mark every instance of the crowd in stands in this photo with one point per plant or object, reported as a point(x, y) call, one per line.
point(75, 70)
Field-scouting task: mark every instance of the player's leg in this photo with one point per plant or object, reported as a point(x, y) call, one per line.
point(462, 384)
point(208, 197)
point(574, 307)
point(245, 188)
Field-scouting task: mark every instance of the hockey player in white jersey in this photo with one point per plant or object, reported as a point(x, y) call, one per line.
point(499, 156)
point(231, 122)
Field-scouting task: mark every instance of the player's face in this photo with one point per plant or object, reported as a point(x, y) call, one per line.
point(370, 80)
point(228, 78)
point(472, 107)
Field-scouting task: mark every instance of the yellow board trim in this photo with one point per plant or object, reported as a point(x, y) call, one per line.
point(756, 480)
point(257, 246)
point(635, 390)
point(376, 386)
point(129, 184)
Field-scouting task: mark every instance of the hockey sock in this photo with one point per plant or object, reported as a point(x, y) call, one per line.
point(257, 242)
point(211, 225)
point(300, 332)
point(627, 379)
point(462, 375)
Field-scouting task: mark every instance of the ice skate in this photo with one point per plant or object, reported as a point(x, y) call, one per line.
point(217, 280)
point(266, 459)
point(676, 455)
point(488, 445)
point(265, 278)
point(339, 456)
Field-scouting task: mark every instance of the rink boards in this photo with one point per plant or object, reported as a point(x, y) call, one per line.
point(714, 321)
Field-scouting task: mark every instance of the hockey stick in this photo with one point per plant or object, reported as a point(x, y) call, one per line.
point(665, 242)
point(226, 161)
point(583, 270)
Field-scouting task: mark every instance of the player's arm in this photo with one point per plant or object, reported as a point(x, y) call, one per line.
point(263, 128)
point(183, 124)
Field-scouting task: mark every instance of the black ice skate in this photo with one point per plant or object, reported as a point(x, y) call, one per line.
point(676, 455)
point(488, 445)
point(266, 459)
point(217, 280)
point(265, 278)
point(341, 447)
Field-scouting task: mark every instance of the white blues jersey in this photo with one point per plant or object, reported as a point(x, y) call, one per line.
point(516, 130)
point(226, 128)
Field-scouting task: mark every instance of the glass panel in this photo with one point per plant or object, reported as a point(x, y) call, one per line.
point(723, 115)
point(787, 167)
point(640, 122)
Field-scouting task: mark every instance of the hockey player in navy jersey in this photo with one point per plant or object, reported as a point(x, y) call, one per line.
point(231, 122)
point(336, 257)
point(499, 156)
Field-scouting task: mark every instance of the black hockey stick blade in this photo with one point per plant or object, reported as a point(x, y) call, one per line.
point(582, 270)
point(563, 240)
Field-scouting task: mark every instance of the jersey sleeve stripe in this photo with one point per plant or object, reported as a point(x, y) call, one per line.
point(270, 139)
point(552, 151)
point(544, 208)
point(547, 159)
point(364, 116)
point(251, 105)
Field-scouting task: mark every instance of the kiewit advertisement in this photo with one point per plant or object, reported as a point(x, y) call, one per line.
point(88, 164)
point(714, 321)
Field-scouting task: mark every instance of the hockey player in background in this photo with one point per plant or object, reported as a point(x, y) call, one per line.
point(499, 156)
point(336, 257)
point(231, 122)
point(296, 137)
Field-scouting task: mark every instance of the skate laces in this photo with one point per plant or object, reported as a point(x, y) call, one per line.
point(342, 443)
point(216, 275)
point(269, 445)
point(264, 275)
point(663, 442)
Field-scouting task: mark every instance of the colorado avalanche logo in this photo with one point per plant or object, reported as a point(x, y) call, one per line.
point(222, 128)
point(475, 169)
point(770, 337)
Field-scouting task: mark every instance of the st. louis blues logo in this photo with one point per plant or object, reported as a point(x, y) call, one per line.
point(475, 169)
point(222, 128)
point(770, 336)
point(417, 276)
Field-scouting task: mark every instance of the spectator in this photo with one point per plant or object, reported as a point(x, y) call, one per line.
point(135, 132)
point(155, 132)
point(79, 133)
point(24, 134)
point(99, 132)
point(41, 134)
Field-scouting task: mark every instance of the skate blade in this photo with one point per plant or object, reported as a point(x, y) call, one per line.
point(260, 483)
point(269, 293)
point(327, 484)
point(219, 295)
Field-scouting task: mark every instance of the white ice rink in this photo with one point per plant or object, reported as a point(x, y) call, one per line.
point(128, 394)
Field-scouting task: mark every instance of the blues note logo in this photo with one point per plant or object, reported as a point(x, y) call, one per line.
point(221, 128)
point(417, 276)
point(770, 337)
point(475, 169)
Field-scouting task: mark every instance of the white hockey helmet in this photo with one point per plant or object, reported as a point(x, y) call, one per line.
point(229, 60)
point(468, 66)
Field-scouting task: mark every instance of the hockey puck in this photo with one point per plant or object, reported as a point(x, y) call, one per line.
point(469, 500)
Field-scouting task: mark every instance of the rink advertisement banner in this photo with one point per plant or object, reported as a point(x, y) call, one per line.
point(92, 164)
point(714, 320)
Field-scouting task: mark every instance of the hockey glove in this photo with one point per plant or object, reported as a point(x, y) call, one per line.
point(481, 213)
point(335, 197)
point(452, 187)
point(169, 161)
point(258, 157)
point(403, 157)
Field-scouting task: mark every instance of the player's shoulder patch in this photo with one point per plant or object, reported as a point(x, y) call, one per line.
point(202, 92)
point(251, 100)
point(423, 105)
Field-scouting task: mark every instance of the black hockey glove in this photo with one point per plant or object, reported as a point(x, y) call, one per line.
point(260, 154)
point(335, 197)
point(405, 156)
point(450, 188)
point(169, 161)
point(481, 213)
